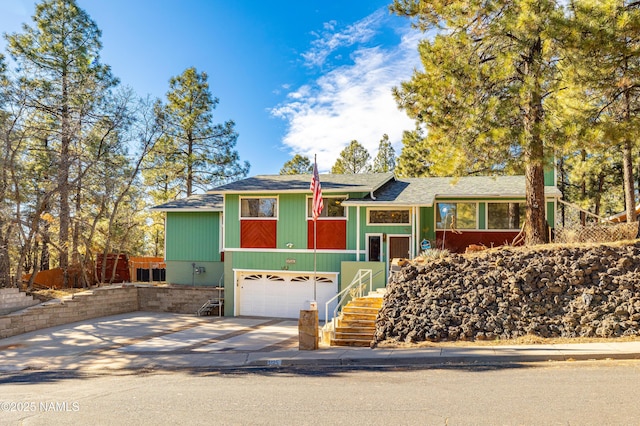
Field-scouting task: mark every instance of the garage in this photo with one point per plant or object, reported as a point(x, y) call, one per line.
point(283, 294)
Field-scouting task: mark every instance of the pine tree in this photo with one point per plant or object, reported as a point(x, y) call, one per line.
point(59, 65)
point(482, 94)
point(353, 159)
point(195, 153)
point(298, 165)
point(605, 67)
point(385, 160)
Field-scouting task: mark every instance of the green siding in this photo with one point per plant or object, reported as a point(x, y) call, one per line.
point(549, 175)
point(292, 221)
point(193, 236)
point(232, 221)
point(181, 272)
point(427, 230)
point(551, 214)
point(229, 286)
point(348, 271)
point(482, 215)
point(273, 261)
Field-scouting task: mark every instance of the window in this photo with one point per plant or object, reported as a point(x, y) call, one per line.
point(456, 215)
point(505, 215)
point(259, 208)
point(374, 248)
point(393, 217)
point(332, 207)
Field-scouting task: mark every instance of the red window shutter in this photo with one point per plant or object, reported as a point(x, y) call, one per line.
point(258, 233)
point(332, 234)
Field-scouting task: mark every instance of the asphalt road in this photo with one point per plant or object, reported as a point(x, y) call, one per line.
point(567, 393)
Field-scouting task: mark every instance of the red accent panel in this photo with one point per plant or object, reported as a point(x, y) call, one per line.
point(258, 233)
point(332, 234)
point(457, 243)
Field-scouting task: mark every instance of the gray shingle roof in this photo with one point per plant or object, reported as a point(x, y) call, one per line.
point(199, 202)
point(423, 191)
point(387, 190)
point(300, 183)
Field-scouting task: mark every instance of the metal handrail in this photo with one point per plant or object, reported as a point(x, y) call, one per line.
point(356, 280)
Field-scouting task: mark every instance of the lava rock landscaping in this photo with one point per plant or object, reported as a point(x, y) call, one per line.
point(546, 291)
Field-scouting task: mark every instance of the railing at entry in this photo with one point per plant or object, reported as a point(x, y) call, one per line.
point(355, 289)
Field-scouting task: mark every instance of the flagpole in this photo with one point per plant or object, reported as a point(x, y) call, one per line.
point(315, 261)
point(317, 206)
point(315, 239)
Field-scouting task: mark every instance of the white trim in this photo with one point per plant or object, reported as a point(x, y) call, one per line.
point(416, 231)
point(366, 241)
point(267, 250)
point(435, 216)
point(166, 220)
point(368, 216)
point(221, 234)
point(358, 234)
point(277, 213)
point(280, 271)
point(346, 208)
point(224, 239)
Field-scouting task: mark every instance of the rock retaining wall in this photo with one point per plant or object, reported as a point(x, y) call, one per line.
point(105, 301)
point(507, 293)
point(12, 299)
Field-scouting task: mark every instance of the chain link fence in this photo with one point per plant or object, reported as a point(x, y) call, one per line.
point(576, 225)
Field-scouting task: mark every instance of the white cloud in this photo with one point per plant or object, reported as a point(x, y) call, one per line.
point(351, 102)
point(328, 41)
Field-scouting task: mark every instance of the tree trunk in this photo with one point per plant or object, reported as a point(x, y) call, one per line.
point(535, 228)
point(189, 166)
point(63, 183)
point(629, 187)
point(583, 189)
point(598, 200)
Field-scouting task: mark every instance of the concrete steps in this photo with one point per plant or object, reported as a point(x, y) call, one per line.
point(357, 323)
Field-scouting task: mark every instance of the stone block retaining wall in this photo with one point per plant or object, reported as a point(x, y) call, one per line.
point(104, 301)
point(11, 299)
point(180, 300)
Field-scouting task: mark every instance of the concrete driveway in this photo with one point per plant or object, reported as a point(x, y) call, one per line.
point(151, 340)
point(148, 339)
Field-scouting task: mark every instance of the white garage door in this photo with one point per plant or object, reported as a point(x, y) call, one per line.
point(283, 295)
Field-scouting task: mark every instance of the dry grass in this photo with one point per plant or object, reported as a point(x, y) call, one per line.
point(48, 294)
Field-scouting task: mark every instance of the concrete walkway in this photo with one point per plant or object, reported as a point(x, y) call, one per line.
point(145, 340)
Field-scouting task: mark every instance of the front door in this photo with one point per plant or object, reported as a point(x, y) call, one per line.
point(399, 247)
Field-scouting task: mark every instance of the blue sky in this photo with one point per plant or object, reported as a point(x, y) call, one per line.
point(297, 77)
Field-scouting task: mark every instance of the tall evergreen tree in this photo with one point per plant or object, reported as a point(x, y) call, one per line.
point(353, 159)
point(59, 63)
point(486, 78)
point(195, 153)
point(298, 165)
point(385, 160)
point(605, 66)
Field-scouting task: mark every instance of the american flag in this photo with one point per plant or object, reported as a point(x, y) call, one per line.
point(317, 192)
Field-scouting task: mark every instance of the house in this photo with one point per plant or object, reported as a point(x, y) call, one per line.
point(256, 236)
